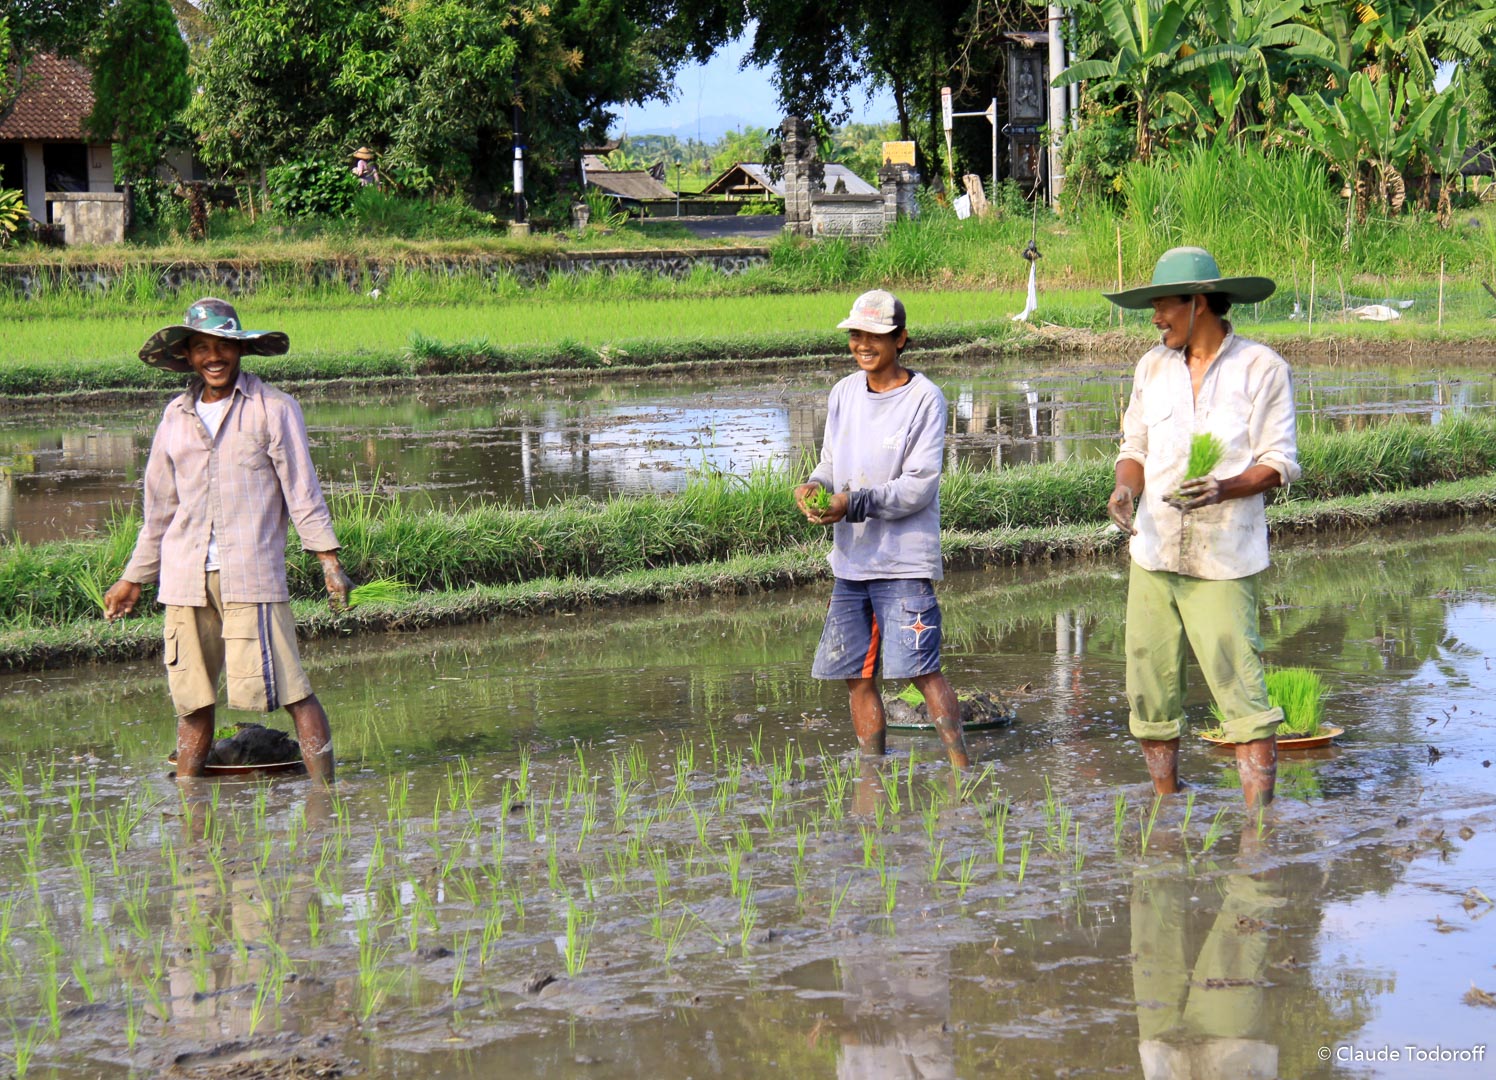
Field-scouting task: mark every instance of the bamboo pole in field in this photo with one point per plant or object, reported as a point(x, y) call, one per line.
point(1441, 292)
point(1341, 282)
point(1312, 268)
point(1119, 272)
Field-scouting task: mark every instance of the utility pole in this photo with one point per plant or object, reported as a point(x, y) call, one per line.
point(519, 166)
point(1058, 101)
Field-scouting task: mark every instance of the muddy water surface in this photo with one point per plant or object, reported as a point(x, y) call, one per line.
point(637, 843)
point(523, 444)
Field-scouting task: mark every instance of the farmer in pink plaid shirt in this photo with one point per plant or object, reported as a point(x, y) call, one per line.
point(230, 466)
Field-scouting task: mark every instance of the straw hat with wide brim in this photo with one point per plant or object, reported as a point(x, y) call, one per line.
point(166, 348)
point(363, 153)
point(1192, 271)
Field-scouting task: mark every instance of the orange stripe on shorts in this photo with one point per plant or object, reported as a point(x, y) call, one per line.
point(870, 661)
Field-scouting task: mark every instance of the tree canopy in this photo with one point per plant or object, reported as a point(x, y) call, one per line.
point(140, 83)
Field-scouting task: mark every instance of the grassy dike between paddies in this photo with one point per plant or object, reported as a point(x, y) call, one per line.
point(56, 358)
point(91, 640)
point(722, 534)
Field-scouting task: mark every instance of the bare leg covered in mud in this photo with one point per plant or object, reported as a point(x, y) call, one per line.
point(315, 735)
point(868, 721)
point(1257, 761)
point(1162, 759)
point(945, 713)
point(194, 740)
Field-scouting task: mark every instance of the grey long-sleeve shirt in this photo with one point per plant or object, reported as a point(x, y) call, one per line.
point(885, 451)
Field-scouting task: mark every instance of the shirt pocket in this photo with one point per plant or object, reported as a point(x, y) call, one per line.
point(252, 451)
point(1157, 414)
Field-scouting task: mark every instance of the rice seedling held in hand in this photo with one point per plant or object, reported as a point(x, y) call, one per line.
point(1206, 452)
point(380, 591)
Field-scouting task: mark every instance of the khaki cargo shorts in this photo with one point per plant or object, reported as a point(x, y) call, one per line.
point(255, 642)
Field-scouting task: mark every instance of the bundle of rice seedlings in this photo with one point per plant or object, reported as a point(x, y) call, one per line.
point(1297, 691)
point(1206, 452)
point(819, 500)
point(380, 591)
point(89, 586)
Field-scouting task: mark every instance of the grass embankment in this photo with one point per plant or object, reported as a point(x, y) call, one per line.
point(56, 355)
point(570, 331)
point(723, 535)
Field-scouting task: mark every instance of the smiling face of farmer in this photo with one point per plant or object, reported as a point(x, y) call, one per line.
point(1175, 318)
point(877, 354)
point(216, 360)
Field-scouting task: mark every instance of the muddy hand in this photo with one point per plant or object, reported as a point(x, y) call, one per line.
point(121, 599)
point(337, 582)
point(834, 512)
point(1193, 494)
point(1119, 508)
point(803, 494)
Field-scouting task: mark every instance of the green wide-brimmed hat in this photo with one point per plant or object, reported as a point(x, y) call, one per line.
point(1192, 271)
point(166, 348)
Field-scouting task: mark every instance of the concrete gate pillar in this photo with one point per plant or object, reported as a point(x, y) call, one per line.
point(799, 149)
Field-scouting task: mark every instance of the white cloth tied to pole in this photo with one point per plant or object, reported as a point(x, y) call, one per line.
point(1033, 295)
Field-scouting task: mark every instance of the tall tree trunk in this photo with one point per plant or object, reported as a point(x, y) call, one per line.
point(900, 90)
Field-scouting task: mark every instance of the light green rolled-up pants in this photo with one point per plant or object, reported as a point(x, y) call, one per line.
point(1219, 619)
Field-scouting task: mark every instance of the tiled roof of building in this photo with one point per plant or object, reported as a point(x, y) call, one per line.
point(751, 178)
point(56, 95)
point(631, 184)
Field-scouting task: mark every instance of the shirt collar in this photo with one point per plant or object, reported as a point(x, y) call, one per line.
point(1226, 345)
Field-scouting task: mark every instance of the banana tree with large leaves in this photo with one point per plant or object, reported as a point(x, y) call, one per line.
point(1148, 36)
point(1369, 134)
point(1446, 138)
point(1257, 42)
point(1413, 36)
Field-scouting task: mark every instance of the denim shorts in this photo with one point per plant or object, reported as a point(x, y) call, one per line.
point(889, 628)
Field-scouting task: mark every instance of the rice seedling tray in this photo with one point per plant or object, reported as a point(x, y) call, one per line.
point(1322, 737)
point(267, 769)
point(986, 724)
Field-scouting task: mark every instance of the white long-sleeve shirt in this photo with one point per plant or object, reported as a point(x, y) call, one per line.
point(884, 451)
point(1245, 401)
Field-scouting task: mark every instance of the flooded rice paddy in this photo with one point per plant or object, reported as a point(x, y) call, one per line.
point(62, 475)
point(639, 843)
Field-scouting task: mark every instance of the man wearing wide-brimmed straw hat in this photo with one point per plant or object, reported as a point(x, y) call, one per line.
point(1199, 546)
point(229, 466)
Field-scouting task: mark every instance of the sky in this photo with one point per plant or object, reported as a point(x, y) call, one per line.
point(720, 97)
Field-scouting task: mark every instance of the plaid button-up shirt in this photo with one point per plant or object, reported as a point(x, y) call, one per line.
point(245, 486)
point(1246, 401)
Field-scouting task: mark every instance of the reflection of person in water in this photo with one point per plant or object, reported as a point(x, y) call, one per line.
point(1204, 1020)
point(897, 1008)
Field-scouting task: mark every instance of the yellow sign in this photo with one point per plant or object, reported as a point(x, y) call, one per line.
point(898, 153)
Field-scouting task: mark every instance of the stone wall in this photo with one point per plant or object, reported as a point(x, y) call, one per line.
point(858, 217)
point(233, 277)
point(89, 217)
point(898, 185)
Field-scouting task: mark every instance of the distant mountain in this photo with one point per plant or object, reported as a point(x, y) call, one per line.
point(712, 128)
